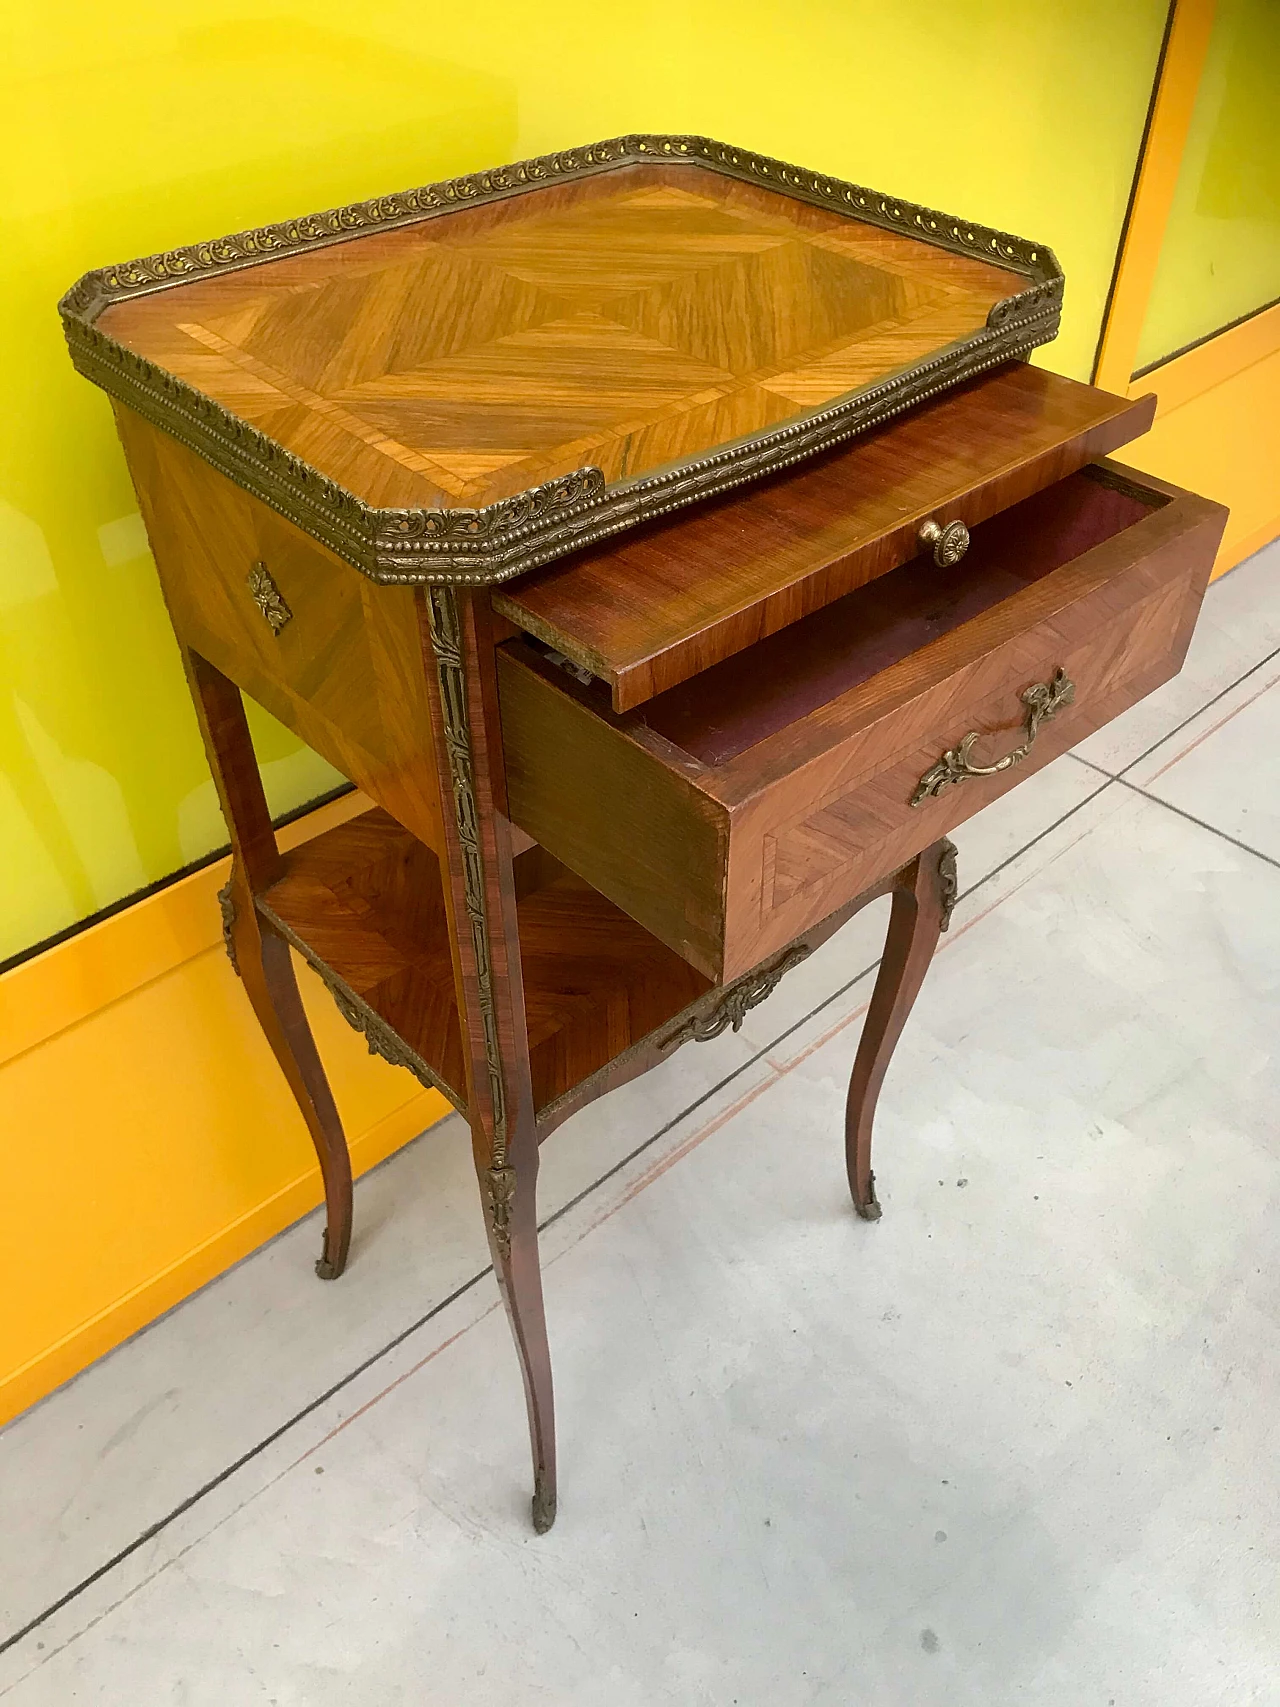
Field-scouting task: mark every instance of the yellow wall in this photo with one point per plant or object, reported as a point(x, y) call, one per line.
point(1220, 252)
point(1202, 246)
point(129, 128)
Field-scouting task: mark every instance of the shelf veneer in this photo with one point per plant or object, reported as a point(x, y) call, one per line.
point(364, 904)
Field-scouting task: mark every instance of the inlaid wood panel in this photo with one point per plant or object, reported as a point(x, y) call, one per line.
point(674, 598)
point(366, 901)
point(799, 757)
point(865, 819)
point(621, 321)
point(595, 983)
point(345, 672)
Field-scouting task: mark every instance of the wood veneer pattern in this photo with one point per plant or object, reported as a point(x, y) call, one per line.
point(623, 322)
point(346, 673)
point(365, 904)
point(589, 319)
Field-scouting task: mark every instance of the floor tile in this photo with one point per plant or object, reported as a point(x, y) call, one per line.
point(1000, 1448)
point(86, 1471)
point(1224, 768)
point(1239, 627)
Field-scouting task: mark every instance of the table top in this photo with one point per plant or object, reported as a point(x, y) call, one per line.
point(623, 314)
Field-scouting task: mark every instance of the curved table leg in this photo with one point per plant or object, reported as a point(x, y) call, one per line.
point(509, 1196)
point(262, 958)
point(266, 970)
point(924, 893)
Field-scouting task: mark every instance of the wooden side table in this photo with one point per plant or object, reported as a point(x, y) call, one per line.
point(632, 760)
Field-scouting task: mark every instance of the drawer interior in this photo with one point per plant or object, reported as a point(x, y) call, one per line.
point(744, 699)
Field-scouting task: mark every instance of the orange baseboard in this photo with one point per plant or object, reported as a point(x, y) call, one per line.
point(1217, 430)
point(150, 1139)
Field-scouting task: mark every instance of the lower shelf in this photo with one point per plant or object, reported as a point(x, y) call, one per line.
point(364, 903)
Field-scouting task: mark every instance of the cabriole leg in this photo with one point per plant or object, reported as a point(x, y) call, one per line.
point(924, 893)
point(266, 968)
point(486, 946)
point(261, 958)
point(511, 1216)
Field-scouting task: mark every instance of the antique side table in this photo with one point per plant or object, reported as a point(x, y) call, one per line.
point(675, 546)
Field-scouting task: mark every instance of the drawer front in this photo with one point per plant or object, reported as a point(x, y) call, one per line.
point(727, 863)
point(333, 657)
point(855, 816)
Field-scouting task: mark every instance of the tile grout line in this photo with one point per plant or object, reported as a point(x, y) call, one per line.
point(398, 1339)
point(1119, 776)
point(1047, 831)
point(1200, 823)
point(239, 1463)
point(1213, 729)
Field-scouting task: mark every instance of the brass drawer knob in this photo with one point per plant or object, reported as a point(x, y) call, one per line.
point(1043, 700)
point(949, 543)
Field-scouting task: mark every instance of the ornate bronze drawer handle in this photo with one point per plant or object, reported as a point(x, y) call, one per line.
point(949, 543)
point(1042, 700)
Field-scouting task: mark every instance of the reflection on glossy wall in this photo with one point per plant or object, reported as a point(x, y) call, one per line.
point(1220, 258)
point(135, 128)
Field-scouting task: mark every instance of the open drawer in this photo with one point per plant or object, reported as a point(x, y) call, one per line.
point(733, 811)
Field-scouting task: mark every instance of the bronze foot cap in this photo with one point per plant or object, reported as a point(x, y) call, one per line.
point(325, 1268)
point(543, 1508)
point(870, 1210)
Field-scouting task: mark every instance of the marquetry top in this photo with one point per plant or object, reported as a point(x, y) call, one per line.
point(562, 348)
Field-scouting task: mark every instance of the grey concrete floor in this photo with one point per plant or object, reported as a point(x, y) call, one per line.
point(1014, 1444)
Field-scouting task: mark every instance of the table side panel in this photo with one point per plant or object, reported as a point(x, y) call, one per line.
point(345, 671)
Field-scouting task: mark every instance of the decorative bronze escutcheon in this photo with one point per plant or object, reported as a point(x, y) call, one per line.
point(736, 1000)
point(268, 598)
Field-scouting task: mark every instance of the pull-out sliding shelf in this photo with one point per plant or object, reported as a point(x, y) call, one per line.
point(654, 608)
